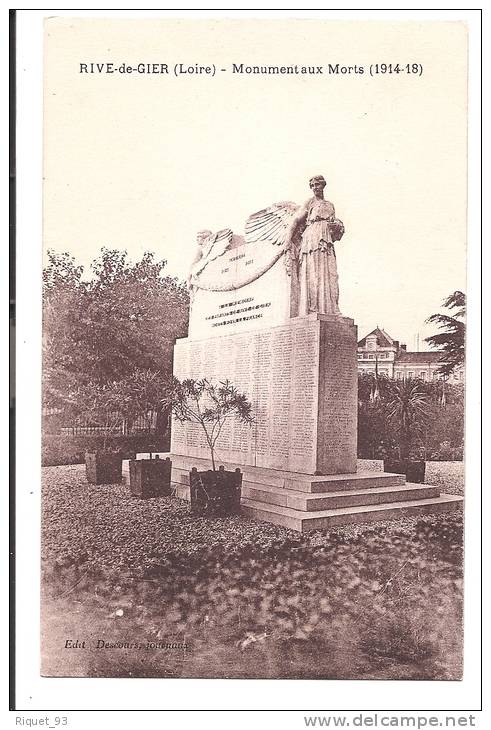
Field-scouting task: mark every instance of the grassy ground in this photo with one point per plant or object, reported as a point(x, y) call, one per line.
point(153, 591)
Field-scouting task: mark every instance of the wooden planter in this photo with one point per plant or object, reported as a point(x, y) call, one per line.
point(103, 467)
point(413, 469)
point(150, 477)
point(215, 493)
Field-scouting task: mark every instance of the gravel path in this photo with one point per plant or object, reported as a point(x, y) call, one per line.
point(449, 475)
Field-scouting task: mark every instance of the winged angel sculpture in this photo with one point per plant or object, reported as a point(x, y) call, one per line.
point(303, 234)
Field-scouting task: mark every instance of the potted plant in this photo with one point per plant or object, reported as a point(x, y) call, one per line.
point(143, 392)
point(98, 405)
point(215, 491)
point(407, 415)
point(150, 477)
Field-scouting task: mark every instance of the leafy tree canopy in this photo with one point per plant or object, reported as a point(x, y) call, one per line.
point(211, 405)
point(125, 318)
point(451, 338)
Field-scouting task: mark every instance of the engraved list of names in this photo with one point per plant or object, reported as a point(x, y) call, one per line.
point(278, 369)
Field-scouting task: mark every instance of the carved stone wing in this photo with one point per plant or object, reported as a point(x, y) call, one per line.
point(213, 246)
point(271, 224)
point(266, 234)
point(216, 244)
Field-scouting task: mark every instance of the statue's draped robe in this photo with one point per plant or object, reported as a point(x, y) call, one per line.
point(318, 276)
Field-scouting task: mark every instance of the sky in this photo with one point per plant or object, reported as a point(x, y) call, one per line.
point(143, 161)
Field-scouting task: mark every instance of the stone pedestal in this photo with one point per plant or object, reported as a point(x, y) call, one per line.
point(301, 378)
point(298, 459)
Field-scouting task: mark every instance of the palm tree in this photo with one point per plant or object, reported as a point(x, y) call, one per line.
point(406, 412)
point(451, 340)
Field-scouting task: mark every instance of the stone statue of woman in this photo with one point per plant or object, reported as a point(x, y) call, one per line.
point(315, 255)
point(303, 235)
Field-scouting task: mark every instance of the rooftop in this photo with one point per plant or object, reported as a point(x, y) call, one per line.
point(383, 339)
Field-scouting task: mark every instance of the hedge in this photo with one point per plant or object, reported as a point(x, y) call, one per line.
point(58, 450)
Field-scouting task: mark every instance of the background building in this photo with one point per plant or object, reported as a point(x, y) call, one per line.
point(378, 351)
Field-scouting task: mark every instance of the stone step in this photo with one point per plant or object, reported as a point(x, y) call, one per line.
point(305, 482)
point(308, 502)
point(286, 479)
point(311, 485)
point(346, 482)
point(325, 519)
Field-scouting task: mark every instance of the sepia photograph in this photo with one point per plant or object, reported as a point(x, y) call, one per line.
point(253, 348)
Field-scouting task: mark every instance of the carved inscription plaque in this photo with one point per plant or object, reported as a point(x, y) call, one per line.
point(338, 404)
point(261, 303)
point(292, 393)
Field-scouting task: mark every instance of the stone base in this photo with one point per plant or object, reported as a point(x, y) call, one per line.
point(325, 519)
point(303, 502)
point(301, 379)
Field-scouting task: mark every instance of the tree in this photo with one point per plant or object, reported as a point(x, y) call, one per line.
point(110, 405)
point(101, 330)
point(446, 415)
point(407, 413)
point(210, 405)
point(374, 436)
point(63, 294)
point(451, 340)
point(100, 405)
point(384, 404)
point(145, 393)
point(134, 315)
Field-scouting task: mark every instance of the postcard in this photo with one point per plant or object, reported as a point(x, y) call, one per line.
point(254, 328)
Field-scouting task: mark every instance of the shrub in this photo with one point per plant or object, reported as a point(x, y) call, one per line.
point(442, 422)
point(58, 450)
point(210, 405)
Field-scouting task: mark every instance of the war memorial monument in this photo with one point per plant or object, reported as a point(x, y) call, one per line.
point(265, 315)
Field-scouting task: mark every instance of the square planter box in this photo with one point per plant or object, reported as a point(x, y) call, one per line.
point(414, 470)
point(215, 493)
point(150, 477)
point(103, 467)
